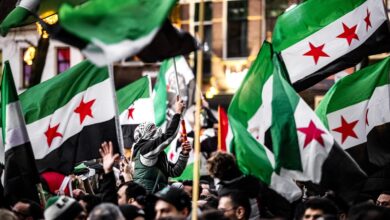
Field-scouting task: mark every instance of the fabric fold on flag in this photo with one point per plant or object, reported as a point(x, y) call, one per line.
point(69, 116)
point(20, 173)
point(271, 124)
point(115, 30)
point(135, 107)
point(28, 11)
point(357, 112)
point(334, 38)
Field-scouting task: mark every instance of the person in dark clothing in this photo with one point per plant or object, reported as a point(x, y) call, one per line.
point(228, 177)
point(151, 165)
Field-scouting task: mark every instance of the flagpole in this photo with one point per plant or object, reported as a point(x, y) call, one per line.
point(117, 124)
point(183, 124)
point(199, 68)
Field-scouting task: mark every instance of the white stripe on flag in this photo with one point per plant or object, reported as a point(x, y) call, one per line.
point(102, 54)
point(143, 111)
point(16, 133)
point(102, 110)
point(334, 47)
point(378, 114)
point(30, 5)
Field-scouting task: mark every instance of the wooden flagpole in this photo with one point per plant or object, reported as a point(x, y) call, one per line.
point(199, 68)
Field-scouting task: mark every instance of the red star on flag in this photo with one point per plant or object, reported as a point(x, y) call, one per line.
point(130, 113)
point(316, 52)
point(367, 19)
point(349, 33)
point(346, 129)
point(171, 155)
point(312, 133)
point(84, 109)
point(52, 133)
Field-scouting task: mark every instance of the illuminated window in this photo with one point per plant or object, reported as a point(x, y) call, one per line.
point(237, 28)
point(26, 70)
point(63, 59)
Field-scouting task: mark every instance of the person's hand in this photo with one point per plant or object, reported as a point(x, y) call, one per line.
point(106, 151)
point(179, 108)
point(126, 169)
point(186, 148)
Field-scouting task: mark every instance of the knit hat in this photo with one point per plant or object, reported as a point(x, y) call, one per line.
point(62, 207)
point(53, 181)
point(176, 197)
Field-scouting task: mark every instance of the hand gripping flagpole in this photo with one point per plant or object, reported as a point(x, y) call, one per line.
point(117, 124)
point(183, 124)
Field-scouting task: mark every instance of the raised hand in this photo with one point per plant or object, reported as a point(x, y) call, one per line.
point(107, 153)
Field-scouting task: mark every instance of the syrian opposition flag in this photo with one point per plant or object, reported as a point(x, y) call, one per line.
point(108, 31)
point(20, 174)
point(135, 106)
point(69, 116)
point(27, 11)
point(276, 134)
point(338, 35)
point(357, 112)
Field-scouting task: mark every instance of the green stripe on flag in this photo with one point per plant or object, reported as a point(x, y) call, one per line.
point(283, 130)
point(247, 99)
point(307, 18)
point(136, 90)
point(250, 154)
point(59, 90)
point(115, 20)
point(354, 88)
point(8, 95)
point(161, 96)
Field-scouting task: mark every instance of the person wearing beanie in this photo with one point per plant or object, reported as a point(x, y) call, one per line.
point(62, 208)
point(172, 202)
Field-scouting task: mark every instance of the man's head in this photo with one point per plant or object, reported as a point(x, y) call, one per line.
point(384, 199)
point(130, 193)
point(222, 166)
point(318, 207)
point(106, 211)
point(146, 131)
point(172, 202)
point(235, 206)
point(27, 209)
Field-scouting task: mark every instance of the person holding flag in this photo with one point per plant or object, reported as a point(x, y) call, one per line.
point(151, 165)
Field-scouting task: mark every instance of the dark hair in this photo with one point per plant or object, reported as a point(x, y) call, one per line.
point(385, 192)
point(323, 204)
point(223, 166)
point(368, 211)
point(136, 191)
point(34, 210)
point(213, 215)
point(240, 199)
point(91, 201)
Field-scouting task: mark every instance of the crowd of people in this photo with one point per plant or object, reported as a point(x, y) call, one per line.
point(142, 188)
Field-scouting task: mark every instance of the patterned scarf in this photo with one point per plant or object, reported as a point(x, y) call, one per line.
point(146, 131)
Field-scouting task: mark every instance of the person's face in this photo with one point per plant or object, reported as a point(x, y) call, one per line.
point(122, 200)
point(311, 214)
point(226, 206)
point(164, 209)
point(383, 200)
point(21, 210)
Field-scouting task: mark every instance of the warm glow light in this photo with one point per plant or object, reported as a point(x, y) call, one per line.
point(211, 92)
point(48, 20)
point(29, 55)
